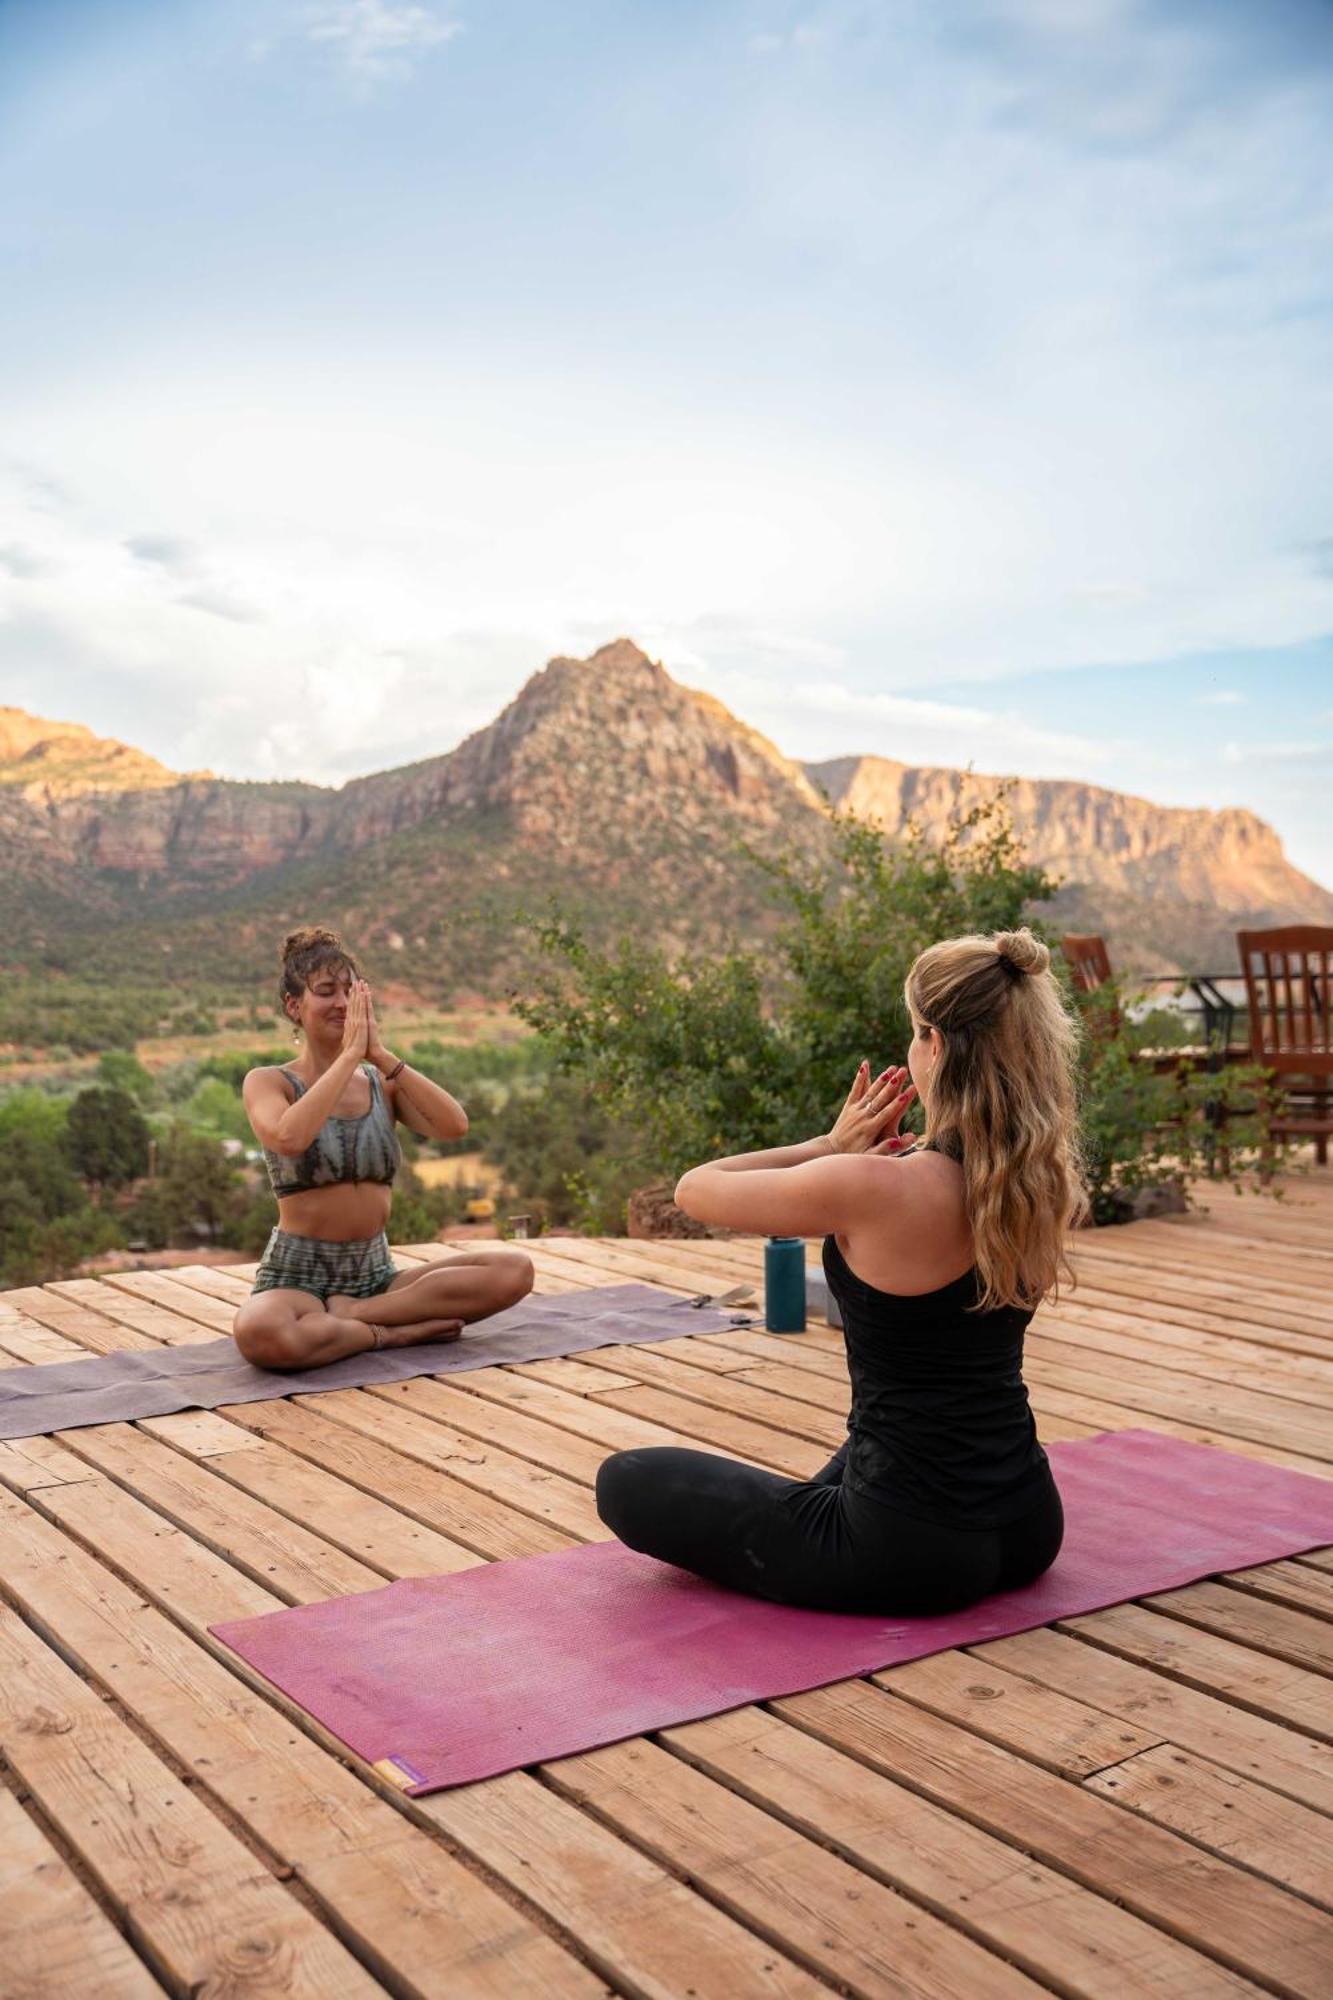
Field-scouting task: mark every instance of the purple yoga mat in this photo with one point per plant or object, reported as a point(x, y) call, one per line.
point(442, 1680)
point(201, 1375)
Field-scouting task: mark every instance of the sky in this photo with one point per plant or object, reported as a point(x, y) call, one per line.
point(948, 380)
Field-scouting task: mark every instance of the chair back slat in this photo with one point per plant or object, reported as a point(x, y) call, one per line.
point(1089, 961)
point(1289, 985)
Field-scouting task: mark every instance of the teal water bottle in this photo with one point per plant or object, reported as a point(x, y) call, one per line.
point(784, 1284)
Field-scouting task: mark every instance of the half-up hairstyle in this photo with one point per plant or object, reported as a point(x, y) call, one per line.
point(306, 952)
point(1002, 1101)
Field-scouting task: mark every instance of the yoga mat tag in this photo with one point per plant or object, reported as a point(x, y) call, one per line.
point(784, 1284)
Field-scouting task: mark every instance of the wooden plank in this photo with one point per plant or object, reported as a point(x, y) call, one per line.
point(843, 1923)
point(695, 1421)
point(1252, 1621)
point(1167, 1332)
point(1112, 1416)
point(27, 1463)
point(22, 1339)
point(92, 1332)
point(611, 1430)
point(274, 1550)
point(1055, 1929)
point(725, 1392)
point(629, 1916)
point(1217, 1357)
point(54, 1938)
point(527, 1489)
point(196, 1900)
point(1228, 1814)
point(1296, 1583)
point(645, 1931)
point(187, 1306)
point(471, 1415)
point(421, 1918)
point(471, 1518)
point(1054, 1730)
point(1251, 1925)
point(362, 1525)
point(1244, 1742)
point(1257, 1681)
point(162, 1326)
point(1169, 1392)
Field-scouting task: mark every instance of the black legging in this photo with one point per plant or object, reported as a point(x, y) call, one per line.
point(814, 1542)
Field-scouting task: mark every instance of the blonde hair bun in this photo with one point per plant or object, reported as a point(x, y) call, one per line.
point(1022, 951)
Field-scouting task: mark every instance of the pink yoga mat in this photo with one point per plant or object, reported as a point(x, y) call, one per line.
point(442, 1680)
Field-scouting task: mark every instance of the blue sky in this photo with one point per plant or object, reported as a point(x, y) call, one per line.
point(947, 381)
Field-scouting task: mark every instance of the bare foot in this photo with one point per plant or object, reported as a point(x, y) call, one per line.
point(417, 1332)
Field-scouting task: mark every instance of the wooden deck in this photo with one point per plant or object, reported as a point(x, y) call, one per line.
point(1140, 1801)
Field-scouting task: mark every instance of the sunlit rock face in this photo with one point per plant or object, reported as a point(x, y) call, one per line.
point(607, 772)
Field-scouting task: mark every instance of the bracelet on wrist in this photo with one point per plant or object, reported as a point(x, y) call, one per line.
point(397, 1069)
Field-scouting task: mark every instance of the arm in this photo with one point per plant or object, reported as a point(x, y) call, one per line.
point(288, 1126)
point(810, 1188)
point(426, 1108)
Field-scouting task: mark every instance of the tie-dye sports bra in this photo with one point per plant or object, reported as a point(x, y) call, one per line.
point(344, 1149)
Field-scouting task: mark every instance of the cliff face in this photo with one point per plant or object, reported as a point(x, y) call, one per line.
point(603, 777)
point(1097, 838)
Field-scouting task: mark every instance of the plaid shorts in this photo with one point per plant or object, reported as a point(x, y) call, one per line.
point(357, 1270)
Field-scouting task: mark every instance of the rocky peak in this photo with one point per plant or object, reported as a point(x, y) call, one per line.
point(65, 759)
point(611, 737)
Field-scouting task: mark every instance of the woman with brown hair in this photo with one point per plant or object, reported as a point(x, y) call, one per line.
point(937, 1251)
point(327, 1286)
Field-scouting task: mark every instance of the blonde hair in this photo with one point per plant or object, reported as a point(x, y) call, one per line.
point(305, 952)
point(1002, 1101)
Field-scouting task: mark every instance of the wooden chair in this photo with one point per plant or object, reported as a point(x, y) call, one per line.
point(1289, 985)
point(1089, 961)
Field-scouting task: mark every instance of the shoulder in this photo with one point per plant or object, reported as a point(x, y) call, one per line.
point(264, 1081)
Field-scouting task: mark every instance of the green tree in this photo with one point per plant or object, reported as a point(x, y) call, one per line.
point(106, 1136)
point(47, 1223)
point(745, 1049)
point(120, 1069)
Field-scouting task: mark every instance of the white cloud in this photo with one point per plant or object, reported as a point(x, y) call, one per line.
point(376, 40)
point(1222, 698)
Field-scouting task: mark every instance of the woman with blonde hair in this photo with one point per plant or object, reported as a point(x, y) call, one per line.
point(938, 1251)
point(327, 1286)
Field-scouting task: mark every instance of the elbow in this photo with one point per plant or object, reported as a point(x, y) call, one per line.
point(687, 1194)
point(460, 1125)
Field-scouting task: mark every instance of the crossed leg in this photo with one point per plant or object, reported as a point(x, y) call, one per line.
point(285, 1328)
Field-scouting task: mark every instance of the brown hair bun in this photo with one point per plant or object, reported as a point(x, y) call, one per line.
point(304, 952)
point(1023, 952)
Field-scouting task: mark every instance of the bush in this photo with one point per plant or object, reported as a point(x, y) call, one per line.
point(1149, 1126)
point(106, 1137)
point(755, 1049)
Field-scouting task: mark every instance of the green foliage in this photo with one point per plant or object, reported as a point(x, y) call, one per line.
point(215, 1107)
point(120, 1069)
point(232, 1066)
point(421, 1212)
point(106, 1136)
point(196, 1191)
point(77, 1014)
point(1153, 1123)
point(47, 1223)
point(567, 1160)
point(749, 1048)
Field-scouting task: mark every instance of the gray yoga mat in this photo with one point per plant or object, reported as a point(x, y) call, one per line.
point(154, 1382)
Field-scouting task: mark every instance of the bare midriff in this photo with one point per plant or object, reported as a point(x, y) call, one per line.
point(347, 1212)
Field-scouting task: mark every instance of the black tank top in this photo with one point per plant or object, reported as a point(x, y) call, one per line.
point(940, 1424)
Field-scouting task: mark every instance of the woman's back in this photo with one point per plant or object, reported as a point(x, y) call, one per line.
point(940, 1424)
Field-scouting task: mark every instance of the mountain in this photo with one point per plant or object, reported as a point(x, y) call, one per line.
point(637, 801)
point(1172, 883)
